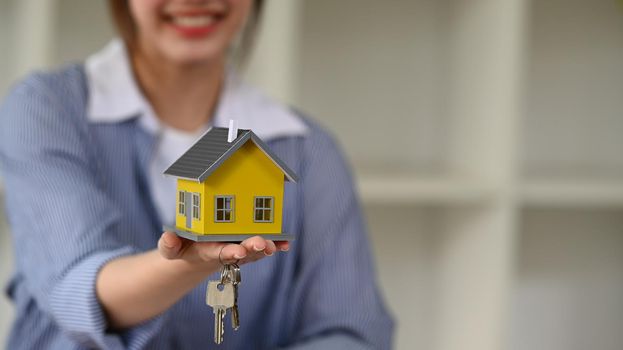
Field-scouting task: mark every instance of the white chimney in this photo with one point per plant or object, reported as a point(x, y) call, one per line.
point(233, 130)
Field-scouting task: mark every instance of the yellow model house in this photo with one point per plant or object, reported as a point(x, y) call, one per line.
point(229, 187)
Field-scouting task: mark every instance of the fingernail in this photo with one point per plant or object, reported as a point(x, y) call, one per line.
point(284, 249)
point(265, 253)
point(258, 249)
point(236, 256)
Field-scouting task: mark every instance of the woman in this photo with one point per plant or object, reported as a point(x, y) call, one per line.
point(82, 151)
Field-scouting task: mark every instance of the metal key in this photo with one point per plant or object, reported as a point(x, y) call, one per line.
point(226, 274)
point(220, 297)
point(235, 280)
point(234, 273)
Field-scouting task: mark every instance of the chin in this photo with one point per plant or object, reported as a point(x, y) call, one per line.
point(195, 53)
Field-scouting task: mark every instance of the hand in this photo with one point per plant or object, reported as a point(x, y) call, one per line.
point(205, 255)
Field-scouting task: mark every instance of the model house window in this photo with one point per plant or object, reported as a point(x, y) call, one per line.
point(196, 206)
point(224, 209)
point(263, 209)
point(181, 205)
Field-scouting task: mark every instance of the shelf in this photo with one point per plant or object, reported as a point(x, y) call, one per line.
point(412, 189)
point(572, 193)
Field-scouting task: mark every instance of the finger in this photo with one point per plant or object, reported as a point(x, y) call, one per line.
point(252, 258)
point(283, 246)
point(271, 248)
point(254, 244)
point(226, 253)
point(169, 245)
point(232, 253)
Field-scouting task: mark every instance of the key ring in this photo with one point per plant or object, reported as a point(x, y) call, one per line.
point(219, 256)
point(221, 260)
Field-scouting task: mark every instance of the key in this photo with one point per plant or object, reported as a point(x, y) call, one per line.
point(226, 274)
point(235, 317)
point(235, 280)
point(219, 330)
point(220, 297)
point(234, 273)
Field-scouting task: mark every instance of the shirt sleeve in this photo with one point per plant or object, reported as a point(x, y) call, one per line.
point(62, 222)
point(340, 306)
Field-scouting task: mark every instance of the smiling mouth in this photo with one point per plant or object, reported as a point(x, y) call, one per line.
point(195, 24)
point(194, 21)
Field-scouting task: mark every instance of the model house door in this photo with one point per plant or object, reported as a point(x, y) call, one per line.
point(188, 209)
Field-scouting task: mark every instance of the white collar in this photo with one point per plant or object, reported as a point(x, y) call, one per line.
point(114, 97)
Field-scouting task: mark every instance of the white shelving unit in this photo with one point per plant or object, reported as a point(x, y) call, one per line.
point(573, 193)
point(486, 140)
point(481, 132)
point(410, 88)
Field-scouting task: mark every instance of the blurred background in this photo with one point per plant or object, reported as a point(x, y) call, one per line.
point(486, 137)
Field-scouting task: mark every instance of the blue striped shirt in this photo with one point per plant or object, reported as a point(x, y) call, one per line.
point(78, 196)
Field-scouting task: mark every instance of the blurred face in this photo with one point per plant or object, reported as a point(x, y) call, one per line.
point(188, 31)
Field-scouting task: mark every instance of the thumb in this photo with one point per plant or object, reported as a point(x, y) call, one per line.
point(169, 245)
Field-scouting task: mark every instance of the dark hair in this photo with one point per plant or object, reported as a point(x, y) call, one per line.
point(126, 28)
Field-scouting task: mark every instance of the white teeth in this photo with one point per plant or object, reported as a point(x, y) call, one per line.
point(193, 21)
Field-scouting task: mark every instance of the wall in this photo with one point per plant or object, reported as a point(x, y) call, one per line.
point(83, 28)
point(570, 281)
point(574, 84)
point(386, 60)
point(5, 42)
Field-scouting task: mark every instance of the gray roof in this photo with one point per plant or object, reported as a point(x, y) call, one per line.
point(212, 149)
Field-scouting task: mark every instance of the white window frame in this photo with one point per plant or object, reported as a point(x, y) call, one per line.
point(264, 208)
point(231, 210)
point(181, 203)
point(196, 206)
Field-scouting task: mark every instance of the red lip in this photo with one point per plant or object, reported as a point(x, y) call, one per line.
point(195, 32)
